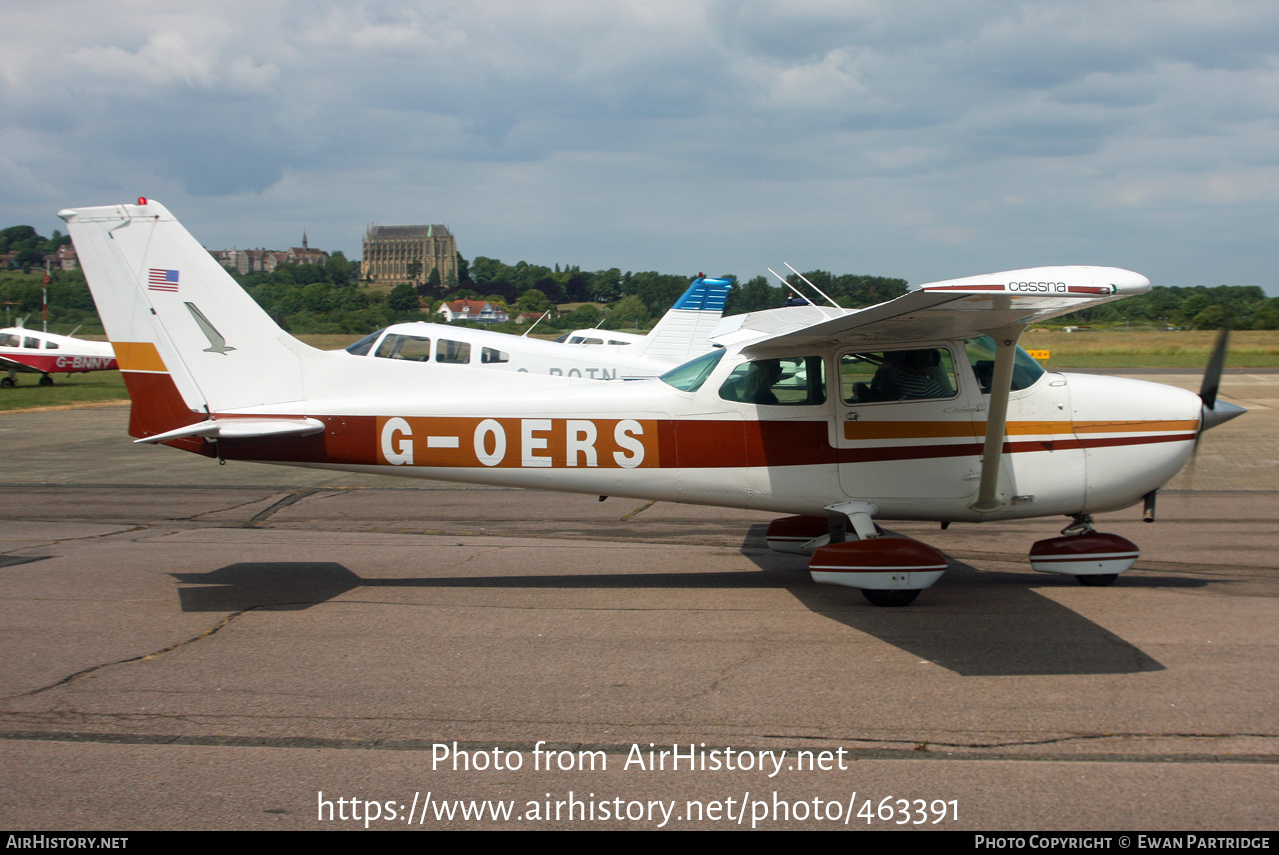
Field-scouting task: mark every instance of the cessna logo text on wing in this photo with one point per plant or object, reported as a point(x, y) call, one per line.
point(1038, 287)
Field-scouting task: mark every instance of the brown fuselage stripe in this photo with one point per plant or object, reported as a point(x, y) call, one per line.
point(679, 444)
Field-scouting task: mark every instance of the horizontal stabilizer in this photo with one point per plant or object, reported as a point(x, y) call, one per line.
point(240, 429)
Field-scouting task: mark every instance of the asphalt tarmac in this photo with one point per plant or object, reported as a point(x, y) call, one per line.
point(189, 646)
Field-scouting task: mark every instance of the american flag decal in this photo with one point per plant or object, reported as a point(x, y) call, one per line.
point(162, 280)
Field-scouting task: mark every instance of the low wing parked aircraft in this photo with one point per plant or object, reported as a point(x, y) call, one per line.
point(683, 332)
point(34, 352)
point(921, 408)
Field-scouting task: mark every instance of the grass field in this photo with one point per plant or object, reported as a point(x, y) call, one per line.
point(1111, 349)
point(1144, 349)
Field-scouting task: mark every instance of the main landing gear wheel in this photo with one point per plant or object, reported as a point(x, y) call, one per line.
point(1098, 580)
point(46, 380)
point(890, 599)
point(7, 383)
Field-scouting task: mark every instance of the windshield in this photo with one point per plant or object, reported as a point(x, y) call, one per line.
point(690, 376)
point(361, 347)
point(981, 353)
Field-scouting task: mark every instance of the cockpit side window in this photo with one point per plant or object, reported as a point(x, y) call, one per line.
point(788, 381)
point(896, 375)
point(411, 347)
point(981, 353)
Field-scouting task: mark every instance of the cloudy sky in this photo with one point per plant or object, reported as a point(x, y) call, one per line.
point(923, 140)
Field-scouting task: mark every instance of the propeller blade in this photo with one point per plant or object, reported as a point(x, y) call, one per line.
point(1212, 376)
point(1216, 412)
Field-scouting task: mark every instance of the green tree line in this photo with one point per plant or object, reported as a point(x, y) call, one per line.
point(308, 298)
point(29, 248)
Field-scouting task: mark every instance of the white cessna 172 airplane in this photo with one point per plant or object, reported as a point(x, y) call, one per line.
point(34, 352)
point(682, 333)
point(921, 408)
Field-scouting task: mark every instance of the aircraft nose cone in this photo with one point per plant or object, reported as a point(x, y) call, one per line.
point(1220, 413)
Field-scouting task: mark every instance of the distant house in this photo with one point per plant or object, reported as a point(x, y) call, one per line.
point(67, 259)
point(265, 260)
point(305, 255)
point(475, 311)
point(528, 317)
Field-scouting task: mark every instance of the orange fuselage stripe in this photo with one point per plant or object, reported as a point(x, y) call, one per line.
point(859, 430)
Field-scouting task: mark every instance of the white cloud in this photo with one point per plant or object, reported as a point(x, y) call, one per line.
point(651, 134)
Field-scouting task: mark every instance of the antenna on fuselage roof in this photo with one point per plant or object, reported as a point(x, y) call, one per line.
point(535, 323)
point(789, 284)
point(814, 287)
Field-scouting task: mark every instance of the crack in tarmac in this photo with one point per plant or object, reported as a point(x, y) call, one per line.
point(127, 530)
point(213, 630)
point(296, 496)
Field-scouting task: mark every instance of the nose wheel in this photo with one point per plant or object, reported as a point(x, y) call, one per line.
point(1093, 557)
point(1098, 580)
point(890, 599)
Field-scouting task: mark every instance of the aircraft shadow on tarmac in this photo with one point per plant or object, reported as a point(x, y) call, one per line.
point(972, 623)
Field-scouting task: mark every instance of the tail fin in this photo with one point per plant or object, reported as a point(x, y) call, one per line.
point(188, 338)
point(685, 331)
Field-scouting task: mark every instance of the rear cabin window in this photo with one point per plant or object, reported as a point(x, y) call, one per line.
point(786, 382)
point(491, 355)
point(896, 375)
point(457, 352)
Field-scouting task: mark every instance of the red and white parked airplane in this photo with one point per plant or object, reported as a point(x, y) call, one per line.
point(34, 352)
point(921, 408)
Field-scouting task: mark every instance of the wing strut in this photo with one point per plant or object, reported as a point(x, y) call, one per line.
point(988, 499)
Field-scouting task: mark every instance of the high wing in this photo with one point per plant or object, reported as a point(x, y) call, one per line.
point(954, 309)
